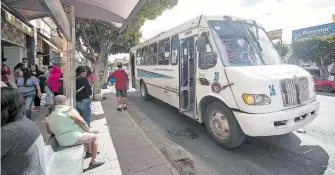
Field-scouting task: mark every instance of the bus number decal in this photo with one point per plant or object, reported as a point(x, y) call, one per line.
point(272, 90)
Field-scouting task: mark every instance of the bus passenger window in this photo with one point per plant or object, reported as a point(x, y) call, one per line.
point(145, 55)
point(138, 57)
point(206, 58)
point(174, 50)
point(152, 60)
point(164, 52)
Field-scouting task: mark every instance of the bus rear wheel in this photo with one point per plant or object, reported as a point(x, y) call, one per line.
point(222, 126)
point(144, 91)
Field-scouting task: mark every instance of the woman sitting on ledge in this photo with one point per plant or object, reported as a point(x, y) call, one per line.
point(70, 129)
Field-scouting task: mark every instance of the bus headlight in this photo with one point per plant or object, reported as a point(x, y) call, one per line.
point(256, 99)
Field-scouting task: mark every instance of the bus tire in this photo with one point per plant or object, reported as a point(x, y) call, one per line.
point(144, 91)
point(222, 126)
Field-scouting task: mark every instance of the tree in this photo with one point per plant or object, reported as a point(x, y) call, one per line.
point(96, 41)
point(320, 49)
point(285, 48)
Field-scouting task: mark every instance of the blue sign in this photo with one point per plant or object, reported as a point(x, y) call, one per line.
point(322, 30)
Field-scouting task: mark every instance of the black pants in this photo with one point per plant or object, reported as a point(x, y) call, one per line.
point(37, 101)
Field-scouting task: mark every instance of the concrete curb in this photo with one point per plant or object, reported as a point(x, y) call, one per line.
point(166, 161)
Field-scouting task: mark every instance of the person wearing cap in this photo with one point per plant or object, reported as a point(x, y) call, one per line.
point(5, 71)
point(121, 86)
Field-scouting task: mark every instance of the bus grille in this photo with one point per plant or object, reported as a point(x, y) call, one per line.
point(295, 91)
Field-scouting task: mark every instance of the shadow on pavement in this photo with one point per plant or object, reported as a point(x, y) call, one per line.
point(261, 155)
point(285, 154)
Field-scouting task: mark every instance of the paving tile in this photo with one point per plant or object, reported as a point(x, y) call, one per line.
point(137, 166)
point(113, 171)
point(153, 162)
point(138, 158)
point(109, 164)
point(161, 170)
point(143, 172)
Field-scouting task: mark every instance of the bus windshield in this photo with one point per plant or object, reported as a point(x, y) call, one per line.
point(243, 44)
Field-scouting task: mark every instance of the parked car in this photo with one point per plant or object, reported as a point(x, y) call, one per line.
point(324, 85)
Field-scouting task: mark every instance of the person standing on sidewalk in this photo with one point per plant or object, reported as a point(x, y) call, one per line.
point(53, 81)
point(41, 79)
point(17, 69)
point(5, 71)
point(121, 86)
point(28, 86)
point(47, 90)
point(84, 91)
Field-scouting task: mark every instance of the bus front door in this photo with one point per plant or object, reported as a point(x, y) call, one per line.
point(186, 76)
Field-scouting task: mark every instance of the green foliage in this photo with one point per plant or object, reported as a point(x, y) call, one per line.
point(317, 49)
point(285, 48)
point(151, 10)
point(96, 40)
point(313, 49)
point(99, 38)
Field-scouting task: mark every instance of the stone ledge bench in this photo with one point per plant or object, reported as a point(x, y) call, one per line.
point(63, 160)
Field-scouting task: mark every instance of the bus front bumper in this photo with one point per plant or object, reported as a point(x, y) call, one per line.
point(277, 123)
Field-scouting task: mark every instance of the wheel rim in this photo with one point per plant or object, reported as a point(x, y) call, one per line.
point(326, 89)
point(143, 90)
point(219, 125)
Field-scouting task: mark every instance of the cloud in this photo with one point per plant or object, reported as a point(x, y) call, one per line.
point(250, 2)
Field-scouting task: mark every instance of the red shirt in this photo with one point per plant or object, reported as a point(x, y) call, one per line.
point(5, 71)
point(121, 77)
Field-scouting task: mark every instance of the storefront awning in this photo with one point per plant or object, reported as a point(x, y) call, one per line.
point(54, 46)
point(117, 13)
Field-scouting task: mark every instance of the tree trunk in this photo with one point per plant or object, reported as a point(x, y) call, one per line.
point(100, 74)
point(97, 85)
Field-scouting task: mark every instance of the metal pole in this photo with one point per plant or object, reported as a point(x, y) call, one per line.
point(72, 66)
point(69, 55)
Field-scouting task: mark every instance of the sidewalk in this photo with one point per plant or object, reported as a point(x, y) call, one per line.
point(136, 154)
point(123, 145)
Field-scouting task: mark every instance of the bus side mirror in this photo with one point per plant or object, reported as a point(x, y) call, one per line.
point(202, 41)
point(215, 55)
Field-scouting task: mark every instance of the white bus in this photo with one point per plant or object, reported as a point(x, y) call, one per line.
point(226, 73)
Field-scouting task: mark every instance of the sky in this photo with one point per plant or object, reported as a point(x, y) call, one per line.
point(272, 14)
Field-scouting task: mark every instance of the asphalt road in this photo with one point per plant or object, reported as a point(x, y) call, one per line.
point(310, 153)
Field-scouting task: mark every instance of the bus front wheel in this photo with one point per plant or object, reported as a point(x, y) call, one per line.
point(222, 126)
point(144, 91)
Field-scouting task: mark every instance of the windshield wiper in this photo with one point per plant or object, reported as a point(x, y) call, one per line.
point(239, 33)
point(252, 38)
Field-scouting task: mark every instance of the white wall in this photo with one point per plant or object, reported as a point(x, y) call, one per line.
point(14, 55)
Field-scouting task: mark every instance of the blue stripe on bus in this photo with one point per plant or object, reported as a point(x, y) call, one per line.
point(147, 74)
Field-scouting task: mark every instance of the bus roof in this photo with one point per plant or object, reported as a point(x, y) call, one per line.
point(200, 21)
